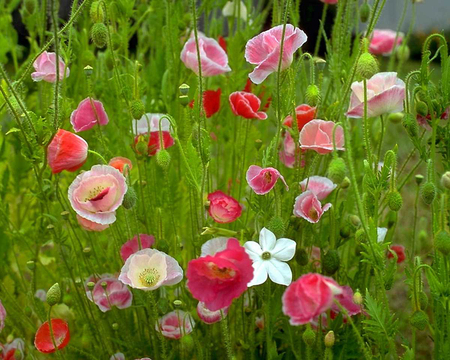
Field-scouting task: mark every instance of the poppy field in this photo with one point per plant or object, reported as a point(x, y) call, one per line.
point(215, 180)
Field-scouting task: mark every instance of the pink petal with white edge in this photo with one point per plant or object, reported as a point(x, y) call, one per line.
point(319, 185)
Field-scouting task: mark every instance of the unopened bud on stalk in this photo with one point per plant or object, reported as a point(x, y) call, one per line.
point(367, 66)
point(445, 180)
point(30, 6)
point(320, 63)
point(184, 89)
point(163, 159)
point(442, 242)
point(99, 35)
point(357, 298)
point(345, 183)
point(396, 118)
point(411, 126)
point(331, 262)
point(346, 230)
point(419, 179)
point(421, 108)
point(364, 12)
point(423, 236)
point(54, 295)
point(419, 320)
point(355, 220)
point(402, 52)
point(184, 99)
point(312, 95)
point(394, 200)
point(309, 336)
point(428, 192)
point(141, 145)
point(130, 198)
point(337, 170)
point(96, 12)
point(423, 300)
point(329, 339)
point(88, 69)
point(177, 303)
point(137, 109)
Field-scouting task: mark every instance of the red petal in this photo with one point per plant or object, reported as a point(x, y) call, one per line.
point(211, 102)
point(43, 340)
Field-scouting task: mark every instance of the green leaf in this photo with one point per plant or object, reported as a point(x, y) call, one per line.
point(12, 130)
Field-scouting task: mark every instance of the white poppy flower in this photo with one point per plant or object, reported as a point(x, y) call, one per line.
point(269, 258)
point(229, 10)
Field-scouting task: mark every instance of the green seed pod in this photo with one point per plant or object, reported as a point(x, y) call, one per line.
point(137, 109)
point(329, 339)
point(367, 66)
point(309, 337)
point(163, 158)
point(428, 192)
point(411, 126)
point(54, 295)
point(31, 265)
point(402, 52)
point(445, 180)
point(364, 12)
point(301, 256)
point(312, 95)
point(184, 100)
point(419, 320)
point(337, 170)
point(141, 145)
point(130, 198)
point(396, 118)
point(99, 35)
point(442, 242)
point(96, 12)
point(394, 200)
point(277, 226)
point(345, 231)
point(331, 262)
point(421, 108)
point(423, 300)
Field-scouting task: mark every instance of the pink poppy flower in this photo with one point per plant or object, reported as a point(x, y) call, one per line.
point(116, 294)
point(385, 95)
point(319, 185)
point(66, 151)
point(2, 316)
point(175, 324)
point(150, 124)
point(88, 113)
point(223, 208)
point(117, 356)
point(304, 114)
point(264, 50)
point(346, 300)
point(13, 351)
point(45, 68)
point(120, 163)
point(400, 251)
point(95, 279)
point(208, 316)
point(309, 296)
point(263, 180)
point(217, 280)
point(288, 151)
point(246, 104)
point(90, 225)
point(382, 42)
point(132, 246)
point(149, 269)
point(308, 207)
point(213, 58)
point(96, 194)
point(317, 135)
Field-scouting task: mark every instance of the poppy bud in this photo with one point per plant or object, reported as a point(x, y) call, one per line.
point(419, 320)
point(364, 12)
point(421, 108)
point(345, 231)
point(396, 118)
point(394, 200)
point(337, 170)
point(428, 192)
point(331, 262)
point(345, 183)
point(137, 109)
point(96, 12)
point(402, 52)
point(130, 198)
point(320, 63)
point(141, 145)
point(163, 158)
point(277, 226)
point(355, 220)
point(312, 95)
point(410, 124)
point(442, 242)
point(187, 342)
point(54, 295)
point(360, 235)
point(309, 337)
point(301, 256)
point(357, 298)
point(329, 339)
point(367, 66)
point(99, 35)
point(445, 180)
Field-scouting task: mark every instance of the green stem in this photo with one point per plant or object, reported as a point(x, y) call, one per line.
point(319, 35)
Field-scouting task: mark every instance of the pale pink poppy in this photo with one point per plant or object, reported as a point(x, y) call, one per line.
point(2, 316)
point(151, 122)
point(309, 296)
point(346, 301)
point(118, 356)
point(385, 95)
point(149, 269)
point(213, 59)
point(246, 104)
point(264, 50)
point(209, 316)
point(88, 113)
point(96, 194)
point(317, 135)
point(319, 185)
point(263, 180)
point(175, 324)
point(382, 42)
point(287, 153)
point(45, 68)
point(90, 225)
point(132, 246)
point(308, 207)
point(116, 294)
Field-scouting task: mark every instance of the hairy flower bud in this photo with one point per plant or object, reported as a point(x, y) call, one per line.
point(309, 337)
point(345, 183)
point(367, 66)
point(312, 95)
point(419, 320)
point(96, 12)
point(277, 226)
point(141, 145)
point(411, 126)
point(337, 170)
point(331, 262)
point(364, 12)
point(421, 108)
point(99, 35)
point(442, 242)
point(394, 200)
point(130, 198)
point(163, 158)
point(54, 295)
point(428, 192)
point(30, 6)
point(423, 300)
point(329, 339)
point(355, 220)
point(137, 109)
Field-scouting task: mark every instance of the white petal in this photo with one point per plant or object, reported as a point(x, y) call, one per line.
point(279, 272)
point(213, 246)
point(267, 239)
point(284, 249)
point(381, 234)
point(259, 274)
point(253, 249)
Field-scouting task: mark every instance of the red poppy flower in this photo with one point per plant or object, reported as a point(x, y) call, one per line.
point(211, 102)
point(43, 340)
point(246, 105)
point(119, 163)
point(304, 114)
point(222, 43)
point(154, 144)
point(400, 251)
point(66, 151)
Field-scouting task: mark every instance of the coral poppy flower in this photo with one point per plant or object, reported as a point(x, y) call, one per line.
point(319, 185)
point(96, 194)
point(382, 42)
point(308, 207)
point(308, 297)
point(213, 58)
point(211, 102)
point(149, 269)
point(263, 180)
point(43, 339)
point(132, 246)
point(151, 123)
point(45, 68)
point(175, 324)
point(223, 208)
point(90, 225)
point(119, 163)
point(66, 151)
point(304, 114)
point(217, 280)
point(115, 294)
point(317, 135)
point(246, 105)
point(13, 351)
point(208, 316)
point(264, 50)
point(400, 251)
point(88, 113)
point(346, 301)
point(385, 95)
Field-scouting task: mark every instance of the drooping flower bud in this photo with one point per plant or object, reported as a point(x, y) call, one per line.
point(163, 158)
point(419, 320)
point(99, 35)
point(367, 66)
point(337, 170)
point(54, 295)
point(428, 192)
point(301, 257)
point(357, 298)
point(442, 242)
point(130, 198)
point(345, 183)
point(137, 109)
point(141, 145)
point(421, 108)
point(312, 95)
point(394, 200)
